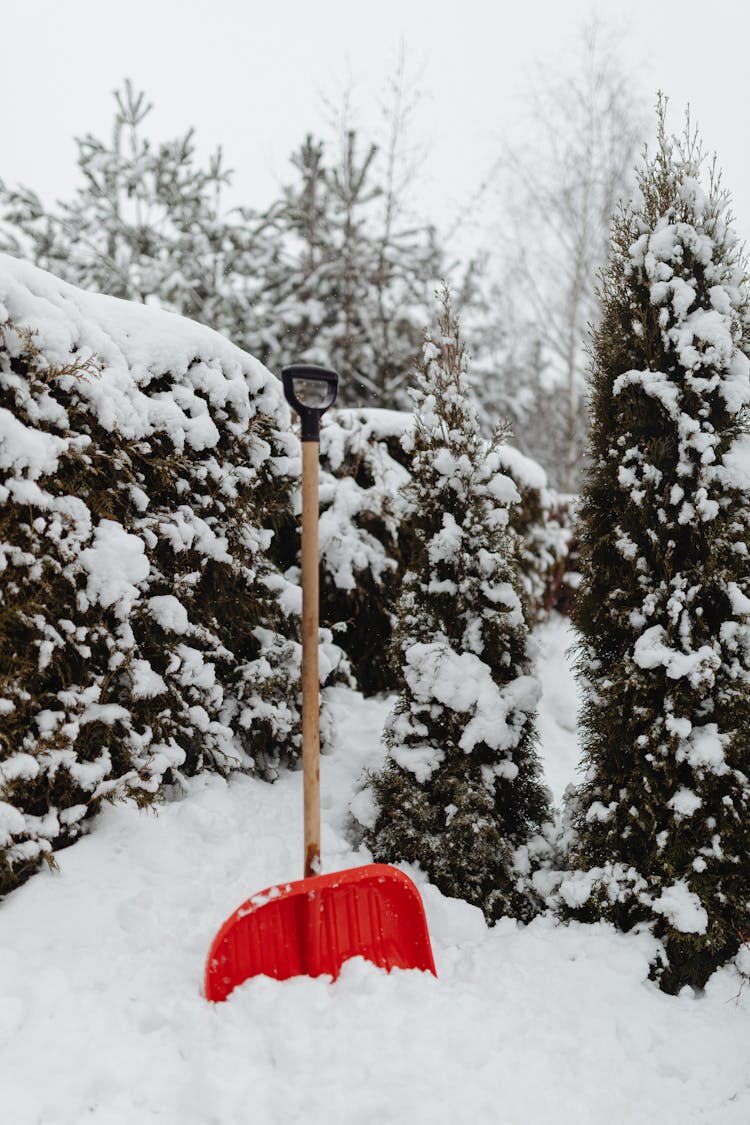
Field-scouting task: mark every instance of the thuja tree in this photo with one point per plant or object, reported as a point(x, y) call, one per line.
point(460, 792)
point(663, 815)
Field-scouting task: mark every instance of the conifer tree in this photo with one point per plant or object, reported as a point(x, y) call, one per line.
point(349, 279)
point(147, 224)
point(460, 792)
point(334, 271)
point(663, 815)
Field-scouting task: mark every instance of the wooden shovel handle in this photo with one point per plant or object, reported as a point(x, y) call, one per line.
point(310, 681)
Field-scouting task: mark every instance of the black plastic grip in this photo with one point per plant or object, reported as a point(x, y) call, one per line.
point(322, 382)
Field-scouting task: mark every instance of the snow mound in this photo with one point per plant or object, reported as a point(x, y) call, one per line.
point(101, 976)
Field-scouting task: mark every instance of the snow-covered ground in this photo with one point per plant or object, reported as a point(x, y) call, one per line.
point(102, 1018)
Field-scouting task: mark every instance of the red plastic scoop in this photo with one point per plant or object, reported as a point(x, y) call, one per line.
point(312, 926)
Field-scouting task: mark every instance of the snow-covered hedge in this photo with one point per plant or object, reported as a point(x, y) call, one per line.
point(541, 522)
point(366, 533)
point(143, 630)
point(363, 538)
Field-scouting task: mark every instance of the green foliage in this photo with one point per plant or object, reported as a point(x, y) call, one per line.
point(541, 524)
point(459, 793)
point(367, 535)
point(663, 816)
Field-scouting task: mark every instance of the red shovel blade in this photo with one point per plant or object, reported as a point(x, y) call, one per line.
point(312, 926)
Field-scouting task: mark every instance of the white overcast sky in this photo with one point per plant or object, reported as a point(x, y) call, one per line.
point(251, 76)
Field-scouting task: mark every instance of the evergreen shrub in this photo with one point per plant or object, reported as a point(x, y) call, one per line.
point(662, 818)
point(364, 536)
point(460, 792)
point(144, 632)
point(367, 537)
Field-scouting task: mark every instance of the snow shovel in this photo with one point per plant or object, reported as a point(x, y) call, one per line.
point(310, 927)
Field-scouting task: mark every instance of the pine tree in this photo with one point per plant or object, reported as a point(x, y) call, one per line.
point(334, 271)
point(294, 301)
point(147, 224)
point(348, 283)
point(146, 630)
point(363, 535)
point(663, 815)
point(460, 793)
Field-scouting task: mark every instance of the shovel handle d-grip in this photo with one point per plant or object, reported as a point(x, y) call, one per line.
point(310, 391)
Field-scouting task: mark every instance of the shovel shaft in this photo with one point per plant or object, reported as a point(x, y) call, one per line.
point(310, 680)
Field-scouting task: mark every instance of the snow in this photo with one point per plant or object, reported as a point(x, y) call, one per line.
point(683, 909)
point(135, 344)
point(348, 550)
point(734, 471)
point(734, 385)
point(33, 451)
point(102, 1017)
point(374, 423)
point(698, 666)
point(344, 552)
point(703, 339)
point(685, 802)
point(146, 682)
point(463, 683)
point(422, 761)
point(558, 707)
point(170, 613)
point(525, 470)
point(115, 563)
point(703, 749)
point(655, 384)
point(446, 544)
